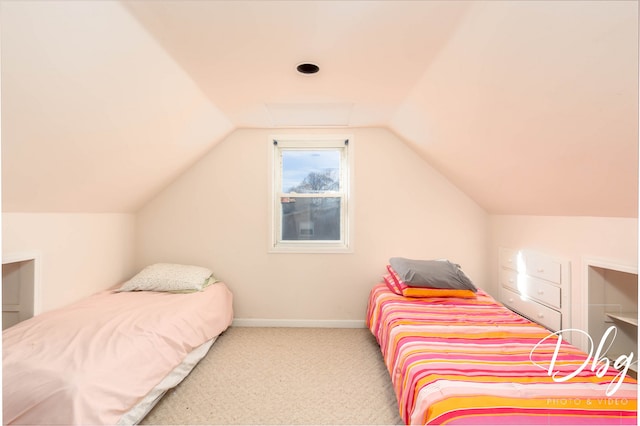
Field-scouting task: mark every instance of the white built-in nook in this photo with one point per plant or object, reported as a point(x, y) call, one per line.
point(612, 300)
point(20, 288)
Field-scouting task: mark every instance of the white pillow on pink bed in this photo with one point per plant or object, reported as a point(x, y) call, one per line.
point(169, 277)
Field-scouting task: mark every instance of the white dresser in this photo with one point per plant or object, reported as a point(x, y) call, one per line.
point(536, 286)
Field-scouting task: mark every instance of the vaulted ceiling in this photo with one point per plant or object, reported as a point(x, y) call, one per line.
point(528, 107)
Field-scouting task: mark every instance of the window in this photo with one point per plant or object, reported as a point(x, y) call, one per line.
point(310, 197)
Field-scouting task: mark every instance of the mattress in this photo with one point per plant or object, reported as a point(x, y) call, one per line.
point(473, 361)
point(171, 380)
point(95, 360)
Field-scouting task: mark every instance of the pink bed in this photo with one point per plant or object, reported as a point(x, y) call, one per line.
point(96, 361)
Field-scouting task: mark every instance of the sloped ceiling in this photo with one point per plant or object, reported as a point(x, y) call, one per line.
point(528, 107)
point(96, 116)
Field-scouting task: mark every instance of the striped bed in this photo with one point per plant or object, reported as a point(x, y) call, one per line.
point(474, 362)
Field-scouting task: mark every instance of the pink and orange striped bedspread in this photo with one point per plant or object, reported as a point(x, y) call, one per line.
point(472, 362)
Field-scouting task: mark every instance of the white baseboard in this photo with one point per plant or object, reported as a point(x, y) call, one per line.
point(257, 322)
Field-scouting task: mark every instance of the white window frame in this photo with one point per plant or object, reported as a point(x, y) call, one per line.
point(311, 142)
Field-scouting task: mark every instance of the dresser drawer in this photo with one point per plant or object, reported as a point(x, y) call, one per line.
point(544, 268)
point(533, 310)
point(543, 291)
point(509, 278)
point(508, 258)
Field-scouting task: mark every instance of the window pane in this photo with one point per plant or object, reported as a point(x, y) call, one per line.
point(314, 218)
point(308, 172)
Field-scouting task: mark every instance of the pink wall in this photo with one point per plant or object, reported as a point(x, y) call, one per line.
point(216, 215)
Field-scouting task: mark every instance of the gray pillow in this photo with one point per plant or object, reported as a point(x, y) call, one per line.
point(431, 273)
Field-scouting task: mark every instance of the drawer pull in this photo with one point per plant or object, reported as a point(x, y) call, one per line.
point(511, 300)
point(511, 280)
point(540, 292)
point(540, 269)
point(540, 316)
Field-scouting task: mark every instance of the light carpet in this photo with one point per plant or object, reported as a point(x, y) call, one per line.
point(287, 376)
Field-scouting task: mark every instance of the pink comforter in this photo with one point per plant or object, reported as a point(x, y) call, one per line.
point(91, 362)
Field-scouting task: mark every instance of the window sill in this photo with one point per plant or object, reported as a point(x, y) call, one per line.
point(308, 248)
